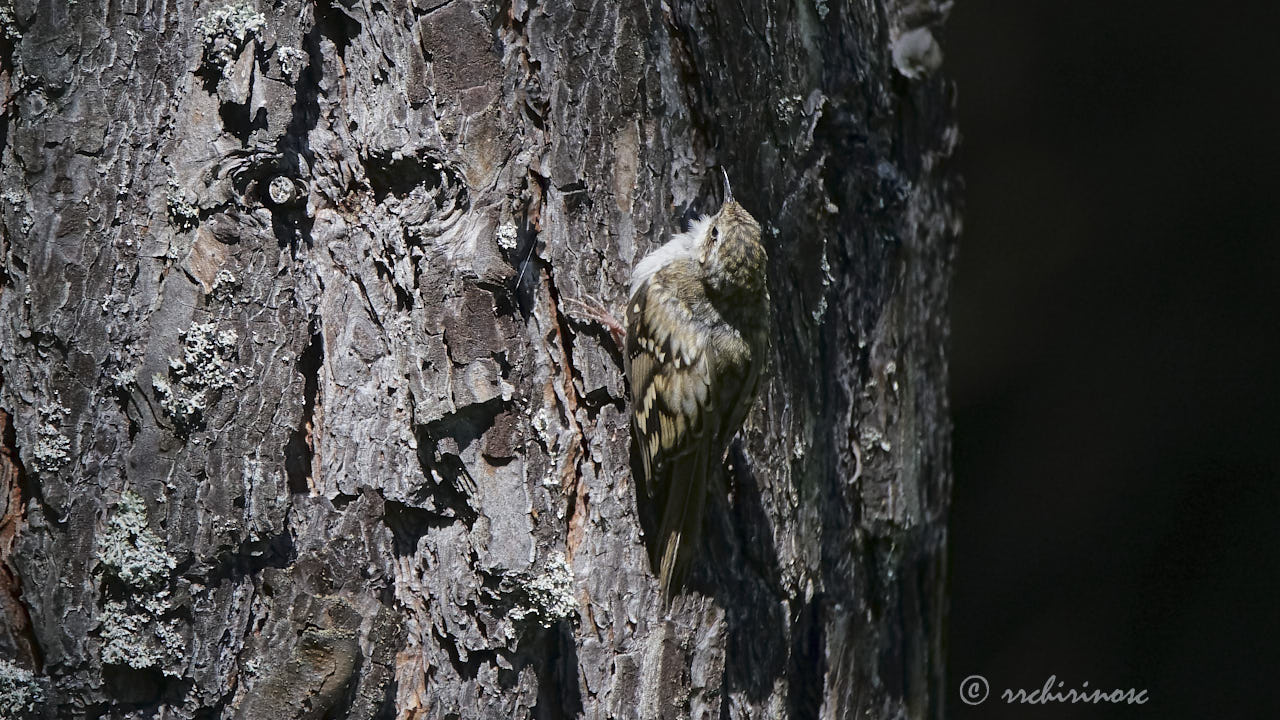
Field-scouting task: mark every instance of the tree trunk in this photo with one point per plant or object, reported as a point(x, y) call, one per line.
point(303, 415)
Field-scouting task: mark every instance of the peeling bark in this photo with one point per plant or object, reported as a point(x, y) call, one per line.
point(302, 420)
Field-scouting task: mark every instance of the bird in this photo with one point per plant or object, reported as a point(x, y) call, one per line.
point(697, 339)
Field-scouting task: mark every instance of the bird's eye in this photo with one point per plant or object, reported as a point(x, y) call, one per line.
point(715, 233)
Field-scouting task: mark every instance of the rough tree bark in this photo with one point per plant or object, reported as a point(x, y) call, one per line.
point(302, 416)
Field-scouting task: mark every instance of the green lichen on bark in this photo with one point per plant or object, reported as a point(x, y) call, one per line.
point(136, 628)
point(20, 693)
point(206, 368)
point(227, 30)
point(130, 550)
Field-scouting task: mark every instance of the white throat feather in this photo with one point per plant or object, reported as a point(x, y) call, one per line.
point(683, 245)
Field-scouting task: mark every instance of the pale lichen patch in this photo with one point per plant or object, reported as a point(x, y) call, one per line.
point(20, 694)
point(183, 212)
point(207, 366)
point(227, 30)
point(139, 638)
point(508, 236)
point(8, 26)
point(549, 595)
point(129, 548)
point(291, 61)
point(52, 448)
point(225, 285)
point(134, 630)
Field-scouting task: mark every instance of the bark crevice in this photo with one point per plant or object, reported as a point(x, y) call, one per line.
point(17, 636)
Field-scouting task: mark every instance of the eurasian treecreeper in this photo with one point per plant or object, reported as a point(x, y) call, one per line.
point(697, 338)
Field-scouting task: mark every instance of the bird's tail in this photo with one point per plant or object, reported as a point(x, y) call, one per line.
point(681, 525)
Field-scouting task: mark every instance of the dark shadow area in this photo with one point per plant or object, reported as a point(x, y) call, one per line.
point(558, 687)
point(1114, 348)
point(737, 564)
point(142, 689)
point(441, 444)
point(408, 524)
point(399, 176)
point(250, 557)
point(300, 448)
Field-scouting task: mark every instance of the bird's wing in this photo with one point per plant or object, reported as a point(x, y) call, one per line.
point(740, 371)
point(674, 420)
point(670, 376)
point(691, 386)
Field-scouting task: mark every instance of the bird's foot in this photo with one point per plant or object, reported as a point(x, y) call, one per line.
point(590, 310)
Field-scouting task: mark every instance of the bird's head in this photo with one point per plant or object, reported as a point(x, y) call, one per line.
point(732, 257)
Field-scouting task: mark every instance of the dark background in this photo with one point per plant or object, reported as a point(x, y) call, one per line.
point(1115, 377)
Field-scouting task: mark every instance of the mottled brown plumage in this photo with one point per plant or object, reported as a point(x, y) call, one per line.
point(697, 338)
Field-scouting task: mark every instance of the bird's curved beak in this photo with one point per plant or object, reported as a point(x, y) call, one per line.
point(728, 190)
